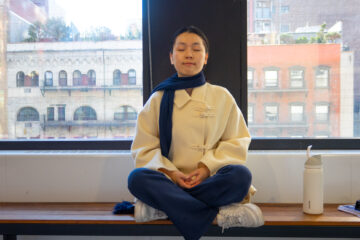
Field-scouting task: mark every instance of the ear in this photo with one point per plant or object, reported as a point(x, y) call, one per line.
point(206, 58)
point(171, 59)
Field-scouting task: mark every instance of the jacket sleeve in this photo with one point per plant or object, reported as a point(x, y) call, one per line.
point(233, 145)
point(145, 148)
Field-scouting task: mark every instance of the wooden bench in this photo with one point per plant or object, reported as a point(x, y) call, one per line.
point(96, 219)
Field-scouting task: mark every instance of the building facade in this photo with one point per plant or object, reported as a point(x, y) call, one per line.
point(268, 19)
point(298, 97)
point(63, 90)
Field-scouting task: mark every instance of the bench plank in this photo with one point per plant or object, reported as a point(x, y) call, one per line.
point(101, 213)
point(96, 219)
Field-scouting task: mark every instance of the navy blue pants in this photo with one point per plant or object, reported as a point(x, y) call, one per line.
point(191, 210)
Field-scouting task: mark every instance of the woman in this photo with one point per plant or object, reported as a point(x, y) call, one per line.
point(190, 146)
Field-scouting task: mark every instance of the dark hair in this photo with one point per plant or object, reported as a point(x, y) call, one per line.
point(190, 29)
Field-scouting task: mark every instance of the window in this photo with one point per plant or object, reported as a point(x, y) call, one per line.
point(313, 79)
point(85, 114)
point(284, 9)
point(250, 77)
point(297, 112)
point(117, 77)
point(125, 113)
point(62, 78)
point(28, 114)
point(262, 33)
point(284, 28)
point(50, 114)
point(250, 113)
point(271, 113)
point(132, 77)
point(263, 26)
point(263, 9)
point(32, 80)
point(322, 112)
point(20, 79)
point(61, 113)
point(296, 77)
point(77, 78)
point(48, 78)
point(271, 78)
point(322, 77)
point(91, 78)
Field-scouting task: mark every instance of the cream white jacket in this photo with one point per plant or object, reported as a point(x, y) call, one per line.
point(208, 127)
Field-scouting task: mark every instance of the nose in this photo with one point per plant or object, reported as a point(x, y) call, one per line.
point(188, 53)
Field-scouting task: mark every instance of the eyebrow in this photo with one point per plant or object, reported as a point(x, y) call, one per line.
point(194, 44)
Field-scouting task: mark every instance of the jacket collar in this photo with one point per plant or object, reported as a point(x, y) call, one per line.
point(182, 97)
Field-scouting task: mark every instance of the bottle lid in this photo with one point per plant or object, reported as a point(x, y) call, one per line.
point(313, 161)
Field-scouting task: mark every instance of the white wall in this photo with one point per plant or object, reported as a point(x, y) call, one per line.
point(101, 176)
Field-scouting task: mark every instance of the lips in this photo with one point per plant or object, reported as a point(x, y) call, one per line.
point(189, 64)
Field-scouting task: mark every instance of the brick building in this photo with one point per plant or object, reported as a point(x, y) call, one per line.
point(268, 19)
point(295, 90)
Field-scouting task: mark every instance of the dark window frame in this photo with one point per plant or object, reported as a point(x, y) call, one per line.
point(63, 79)
point(85, 113)
point(112, 144)
point(50, 114)
point(48, 78)
point(131, 79)
point(76, 79)
point(20, 79)
point(117, 77)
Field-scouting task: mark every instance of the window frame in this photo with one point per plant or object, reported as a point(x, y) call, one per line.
point(114, 144)
point(252, 70)
point(272, 69)
point(48, 78)
point(63, 80)
point(292, 80)
point(297, 104)
point(270, 104)
point(322, 104)
point(328, 70)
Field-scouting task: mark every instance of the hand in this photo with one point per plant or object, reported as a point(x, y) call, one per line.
point(181, 179)
point(178, 177)
point(199, 175)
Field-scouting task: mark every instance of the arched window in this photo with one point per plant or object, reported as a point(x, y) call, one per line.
point(20, 79)
point(34, 79)
point(76, 78)
point(48, 76)
point(125, 113)
point(132, 77)
point(27, 114)
point(85, 113)
point(117, 77)
point(62, 78)
point(91, 78)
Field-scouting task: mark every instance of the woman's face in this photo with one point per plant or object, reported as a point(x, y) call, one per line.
point(189, 55)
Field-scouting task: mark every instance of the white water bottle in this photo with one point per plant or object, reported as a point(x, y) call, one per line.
point(313, 198)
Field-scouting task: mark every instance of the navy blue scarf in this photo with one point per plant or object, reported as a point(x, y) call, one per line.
point(167, 103)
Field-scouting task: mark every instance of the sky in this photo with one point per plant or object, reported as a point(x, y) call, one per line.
point(114, 14)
